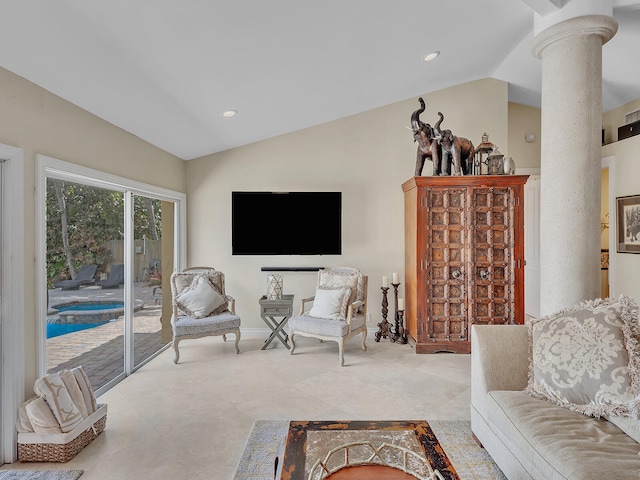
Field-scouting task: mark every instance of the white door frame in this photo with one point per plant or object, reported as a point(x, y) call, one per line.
point(609, 162)
point(12, 314)
point(48, 167)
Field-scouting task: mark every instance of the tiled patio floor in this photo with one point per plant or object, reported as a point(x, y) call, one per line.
point(100, 350)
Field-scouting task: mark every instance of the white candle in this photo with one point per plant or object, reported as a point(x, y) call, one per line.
point(395, 278)
point(401, 304)
point(385, 282)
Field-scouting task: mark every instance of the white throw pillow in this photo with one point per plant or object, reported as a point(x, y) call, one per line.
point(201, 300)
point(330, 303)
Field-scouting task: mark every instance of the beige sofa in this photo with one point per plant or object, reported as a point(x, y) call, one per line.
point(535, 439)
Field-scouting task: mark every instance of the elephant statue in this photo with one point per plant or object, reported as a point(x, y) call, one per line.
point(456, 151)
point(428, 147)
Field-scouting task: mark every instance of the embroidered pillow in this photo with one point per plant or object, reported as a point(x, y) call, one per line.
point(201, 299)
point(338, 278)
point(586, 358)
point(330, 303)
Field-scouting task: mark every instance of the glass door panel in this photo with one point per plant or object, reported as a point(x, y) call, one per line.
point(85, 291)
point(153, 257)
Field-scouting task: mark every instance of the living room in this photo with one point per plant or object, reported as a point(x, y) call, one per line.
point(366, 156)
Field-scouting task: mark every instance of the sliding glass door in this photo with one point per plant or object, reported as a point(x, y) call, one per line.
point(85, 313)
point(107, 248)
point(153, 255)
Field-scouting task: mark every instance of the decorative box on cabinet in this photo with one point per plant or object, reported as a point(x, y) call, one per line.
point(464, 257)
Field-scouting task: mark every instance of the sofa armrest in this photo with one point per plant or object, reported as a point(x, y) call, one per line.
point(499, 360)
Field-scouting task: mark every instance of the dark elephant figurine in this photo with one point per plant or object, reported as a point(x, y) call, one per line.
point(428, 147)
point(456, 151)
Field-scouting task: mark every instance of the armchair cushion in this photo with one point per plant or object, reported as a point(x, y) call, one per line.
point(224, 321)
point(201, 299)
point(587, 358)
point(330, 303)
point(323, 326)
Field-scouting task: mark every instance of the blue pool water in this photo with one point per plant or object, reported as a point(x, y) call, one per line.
point(81, 307)
point(57, 329)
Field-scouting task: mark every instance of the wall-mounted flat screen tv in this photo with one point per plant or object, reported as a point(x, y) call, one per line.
point(286, 223)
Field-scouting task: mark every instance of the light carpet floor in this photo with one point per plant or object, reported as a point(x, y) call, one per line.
point(470, 461)
point(40, 474)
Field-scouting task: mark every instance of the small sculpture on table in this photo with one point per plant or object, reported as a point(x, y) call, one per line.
point(443, 148)
point(428, 147)
point(456, 151)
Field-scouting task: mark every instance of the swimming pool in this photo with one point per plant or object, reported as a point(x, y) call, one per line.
point(92, 311)
point(57, 329)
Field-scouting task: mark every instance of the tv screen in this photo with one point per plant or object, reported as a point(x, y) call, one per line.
point(286, 223)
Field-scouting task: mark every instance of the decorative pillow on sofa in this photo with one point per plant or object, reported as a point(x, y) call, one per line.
point(330, 303)
point(201, 299)
point(587, 358)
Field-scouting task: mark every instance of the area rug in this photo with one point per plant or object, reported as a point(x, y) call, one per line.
point(470, 461)
point(40, 474)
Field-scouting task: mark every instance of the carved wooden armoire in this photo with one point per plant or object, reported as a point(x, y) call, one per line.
point(464, 257)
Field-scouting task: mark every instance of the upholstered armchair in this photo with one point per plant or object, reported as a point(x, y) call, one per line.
point(200, 306)
point(337, 312)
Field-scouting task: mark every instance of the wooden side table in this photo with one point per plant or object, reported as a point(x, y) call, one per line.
point(270, 310)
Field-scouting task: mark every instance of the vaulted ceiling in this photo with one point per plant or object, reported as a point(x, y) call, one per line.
point(166, 70)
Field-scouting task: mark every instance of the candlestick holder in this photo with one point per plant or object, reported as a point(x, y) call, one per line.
point(402, 334)
point(384, 325)
point(396, 333)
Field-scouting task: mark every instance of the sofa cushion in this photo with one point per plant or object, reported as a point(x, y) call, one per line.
point(560, 444)
point(585, 358)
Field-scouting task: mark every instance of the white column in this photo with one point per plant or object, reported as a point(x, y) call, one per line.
point(571, 53)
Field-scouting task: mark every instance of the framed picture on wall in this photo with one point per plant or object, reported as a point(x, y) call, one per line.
point(628, 224)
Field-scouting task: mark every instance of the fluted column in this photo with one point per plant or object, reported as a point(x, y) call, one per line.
point(571, 53)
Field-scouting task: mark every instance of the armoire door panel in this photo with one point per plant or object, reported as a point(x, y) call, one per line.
point(466, 257)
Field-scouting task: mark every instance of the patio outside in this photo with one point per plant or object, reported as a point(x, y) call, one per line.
point(100, 350)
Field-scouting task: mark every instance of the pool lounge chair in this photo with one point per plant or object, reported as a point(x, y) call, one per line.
point(116, 277)
point(83, 277)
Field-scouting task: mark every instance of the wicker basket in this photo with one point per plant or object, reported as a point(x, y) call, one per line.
point(62, 448)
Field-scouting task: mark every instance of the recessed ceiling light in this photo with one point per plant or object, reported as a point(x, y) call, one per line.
point(230, 113)
point(431, 56)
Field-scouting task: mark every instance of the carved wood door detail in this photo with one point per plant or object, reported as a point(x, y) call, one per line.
point(446, 255)
point(491, 262)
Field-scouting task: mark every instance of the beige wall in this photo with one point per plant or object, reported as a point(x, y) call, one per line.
point(39, 122)
point(613, 119)
point(626, 170)
point(523, 120)
point(366, 156)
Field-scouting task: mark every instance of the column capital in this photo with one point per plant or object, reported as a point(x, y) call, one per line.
point(602, 25)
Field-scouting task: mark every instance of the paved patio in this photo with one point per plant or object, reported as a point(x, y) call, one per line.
point(100, 350)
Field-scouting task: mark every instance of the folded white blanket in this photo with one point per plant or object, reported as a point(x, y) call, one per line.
point(41, 417)
point(23, 424)
point(54, 392)
point(71, 384)
point(85, 387)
